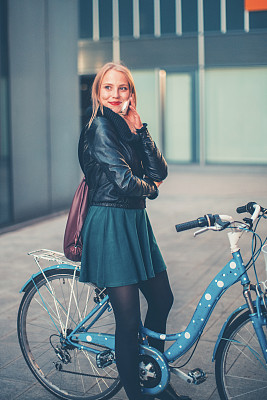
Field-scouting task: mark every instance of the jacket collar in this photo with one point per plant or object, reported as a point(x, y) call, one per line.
point(119, 123)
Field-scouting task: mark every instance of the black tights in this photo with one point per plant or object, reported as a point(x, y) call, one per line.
point(126, 306)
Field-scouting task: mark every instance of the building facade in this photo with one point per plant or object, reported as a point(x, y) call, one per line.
point(39, 106)
point(200, 68)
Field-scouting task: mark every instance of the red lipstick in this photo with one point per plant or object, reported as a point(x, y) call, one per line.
point(115, 103)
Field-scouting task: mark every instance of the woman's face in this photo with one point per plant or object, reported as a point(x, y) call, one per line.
point(114, 90)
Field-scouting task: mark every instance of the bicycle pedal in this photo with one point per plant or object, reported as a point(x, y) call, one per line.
point(198, 376)
point(105, 358)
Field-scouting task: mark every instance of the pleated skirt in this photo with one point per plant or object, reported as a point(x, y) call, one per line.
point(119, 247)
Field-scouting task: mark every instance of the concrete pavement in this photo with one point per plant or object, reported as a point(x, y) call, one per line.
point(188, 193)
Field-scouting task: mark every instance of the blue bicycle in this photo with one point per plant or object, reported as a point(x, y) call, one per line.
point(66, 328)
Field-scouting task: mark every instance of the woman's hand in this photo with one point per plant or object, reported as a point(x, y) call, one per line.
point(132, 117)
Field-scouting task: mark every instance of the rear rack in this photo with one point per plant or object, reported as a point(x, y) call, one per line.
point(51, 255)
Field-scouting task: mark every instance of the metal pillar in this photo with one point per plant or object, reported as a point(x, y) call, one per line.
point(201, 84)
point(116, 33)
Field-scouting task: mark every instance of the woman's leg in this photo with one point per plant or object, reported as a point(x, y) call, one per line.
point(158, 294)
point(126, 307)
point(159, 297)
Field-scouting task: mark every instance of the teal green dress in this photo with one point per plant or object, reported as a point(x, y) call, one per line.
point(119, 247)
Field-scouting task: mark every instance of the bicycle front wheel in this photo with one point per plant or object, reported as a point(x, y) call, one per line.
point(240, 369)
point(48, 312)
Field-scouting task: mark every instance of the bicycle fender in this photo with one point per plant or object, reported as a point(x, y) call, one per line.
point(47, 271)
point(225, 326)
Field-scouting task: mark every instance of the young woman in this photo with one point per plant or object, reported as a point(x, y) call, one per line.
point(123, 167)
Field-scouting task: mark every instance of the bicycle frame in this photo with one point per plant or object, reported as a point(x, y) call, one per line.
point(232, 272)
point(80, 315)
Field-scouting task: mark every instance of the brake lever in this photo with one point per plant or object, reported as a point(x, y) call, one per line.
point(207, 228)
point(218, 226)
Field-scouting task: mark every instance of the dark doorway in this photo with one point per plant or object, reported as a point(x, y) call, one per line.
point(86, 82)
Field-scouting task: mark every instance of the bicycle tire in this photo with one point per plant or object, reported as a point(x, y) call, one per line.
point(240, 369)
point(78, 377)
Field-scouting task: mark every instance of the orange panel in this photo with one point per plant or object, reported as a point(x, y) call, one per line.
point(255, 5)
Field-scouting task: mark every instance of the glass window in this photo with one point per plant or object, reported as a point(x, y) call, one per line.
point(178, 117)
point(167, 16)
point(146, 11)
point(257, 20)
point(235, 115)
point(5, 175)
point(234, 15)
point(105, 18)
point(189, 16)
point(212, 15)
point(126, 17)
point(85, 19)
point(147, 100)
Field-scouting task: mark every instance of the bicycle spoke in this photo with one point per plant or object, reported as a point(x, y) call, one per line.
point(93, 368)
point(246, 378)
point(245, 394)
point(80, 370)
point(241, 371)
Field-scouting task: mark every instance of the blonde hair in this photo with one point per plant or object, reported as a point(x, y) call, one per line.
point(98, 82)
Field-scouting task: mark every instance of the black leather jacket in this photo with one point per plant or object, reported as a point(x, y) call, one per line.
point(120, 167)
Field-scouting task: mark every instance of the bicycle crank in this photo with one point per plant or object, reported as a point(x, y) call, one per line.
point(149, 371)
point(196, 376)
point(153, 371)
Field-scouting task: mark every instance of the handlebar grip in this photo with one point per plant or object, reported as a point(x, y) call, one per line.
point(200, 222)
point(247, 208)
point(241, 209)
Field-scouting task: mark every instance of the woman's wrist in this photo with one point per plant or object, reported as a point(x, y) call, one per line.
point(142, 129)
point(154, 193)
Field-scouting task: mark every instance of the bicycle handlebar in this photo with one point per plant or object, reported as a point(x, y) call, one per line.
point(209, 220)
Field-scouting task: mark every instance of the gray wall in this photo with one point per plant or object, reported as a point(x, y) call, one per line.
point(177, 53)
point(44, 98)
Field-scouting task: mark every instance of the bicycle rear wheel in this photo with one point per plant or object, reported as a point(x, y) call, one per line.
point(240, 368)
point(47, 311)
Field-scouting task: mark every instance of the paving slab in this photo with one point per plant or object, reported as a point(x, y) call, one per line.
point(188, 193)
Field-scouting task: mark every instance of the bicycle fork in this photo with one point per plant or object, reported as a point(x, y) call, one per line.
point(257, 317)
